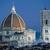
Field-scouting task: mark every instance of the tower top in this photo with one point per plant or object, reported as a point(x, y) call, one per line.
point(13, 8)
point(45, 7)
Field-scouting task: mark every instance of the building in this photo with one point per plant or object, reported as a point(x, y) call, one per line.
point(45, 25)
point(13, 31)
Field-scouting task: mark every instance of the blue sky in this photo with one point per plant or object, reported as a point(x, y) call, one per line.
point(29, 10)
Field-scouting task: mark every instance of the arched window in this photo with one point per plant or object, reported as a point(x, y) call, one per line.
point(46, 31)
point(29, 38)
point(46, 38)
point(46, 22)
point(22, 37)
point(7, 32)
point(18, 38)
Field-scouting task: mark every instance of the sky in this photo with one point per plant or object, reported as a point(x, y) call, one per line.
point(29, 10)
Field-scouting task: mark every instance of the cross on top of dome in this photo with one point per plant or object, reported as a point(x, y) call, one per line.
point(13, 8)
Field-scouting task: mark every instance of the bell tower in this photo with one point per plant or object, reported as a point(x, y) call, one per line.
point(45, 25)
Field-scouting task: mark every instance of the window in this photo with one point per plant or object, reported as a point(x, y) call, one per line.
point(46, 38)
point(33, 40)
point(22, 37)
point(0, 37)
point(18, 38)
point(7, 32)
point(46, 31)
point(21, 43)
point(46, 22)
point(29, 38)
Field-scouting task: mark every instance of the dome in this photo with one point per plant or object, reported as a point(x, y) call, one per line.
point(13, 21)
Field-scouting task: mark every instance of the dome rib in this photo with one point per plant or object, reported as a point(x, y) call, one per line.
point(6, 22)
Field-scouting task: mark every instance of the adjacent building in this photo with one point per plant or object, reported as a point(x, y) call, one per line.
point(45, 25)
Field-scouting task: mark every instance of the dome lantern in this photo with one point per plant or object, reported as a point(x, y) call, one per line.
point(13, 8)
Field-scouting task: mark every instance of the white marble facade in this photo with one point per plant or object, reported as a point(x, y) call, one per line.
point(19, 39)
point(13, 31)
